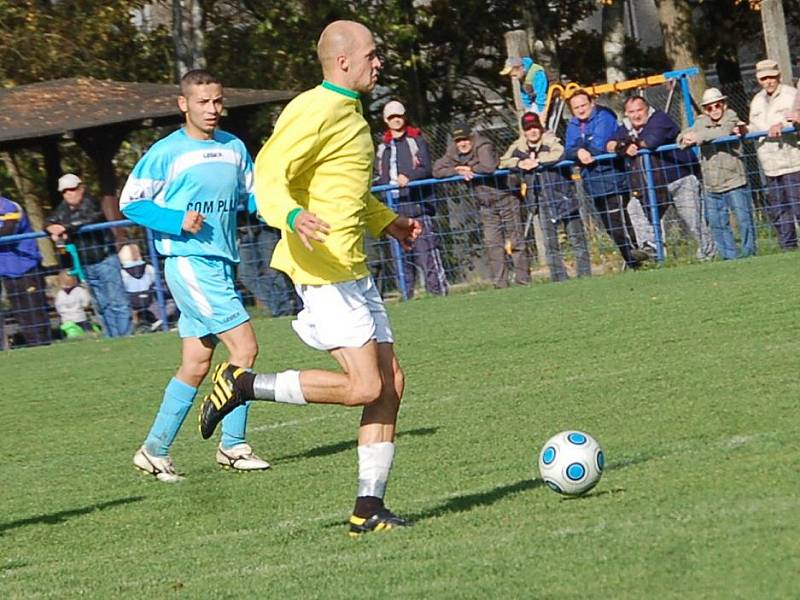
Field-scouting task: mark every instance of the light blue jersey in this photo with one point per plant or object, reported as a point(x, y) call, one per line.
point(179, 173)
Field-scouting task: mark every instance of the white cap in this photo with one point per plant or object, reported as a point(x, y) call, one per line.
point(712, 95)
point(68, 181)
point(393, 108)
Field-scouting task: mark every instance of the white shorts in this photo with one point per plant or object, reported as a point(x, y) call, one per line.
point(342, 315)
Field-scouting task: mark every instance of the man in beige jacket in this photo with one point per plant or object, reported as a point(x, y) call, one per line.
point(551, 191)
point(779, 154)
point(724, 176)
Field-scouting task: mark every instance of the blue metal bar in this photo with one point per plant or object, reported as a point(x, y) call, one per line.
point(652, 200)
point(383, 188)
point(687, 100)
point(397, 253)
point(682, 73)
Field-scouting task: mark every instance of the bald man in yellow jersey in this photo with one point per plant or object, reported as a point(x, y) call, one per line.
point(312, 180)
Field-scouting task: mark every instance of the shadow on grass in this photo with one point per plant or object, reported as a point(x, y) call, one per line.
point(338, 447)
point(65, 515)
point(470, 501)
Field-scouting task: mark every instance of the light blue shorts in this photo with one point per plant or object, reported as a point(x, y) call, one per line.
point(205, 293)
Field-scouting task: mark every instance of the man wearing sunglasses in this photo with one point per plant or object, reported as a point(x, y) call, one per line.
point(724, 175)
point(779, 154)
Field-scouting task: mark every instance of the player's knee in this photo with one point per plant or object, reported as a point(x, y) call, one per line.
point(195, 370)
point(364, 393)
point(399, 383)
point(244, 355)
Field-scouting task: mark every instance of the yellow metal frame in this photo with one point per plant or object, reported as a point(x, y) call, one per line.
point(566, 91)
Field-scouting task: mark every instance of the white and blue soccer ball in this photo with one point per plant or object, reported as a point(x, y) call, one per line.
point(571, 463)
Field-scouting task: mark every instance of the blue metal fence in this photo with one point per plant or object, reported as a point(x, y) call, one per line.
point(473, 244)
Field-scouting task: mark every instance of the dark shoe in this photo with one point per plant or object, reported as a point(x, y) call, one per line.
point(222, 400)
point(383, 520)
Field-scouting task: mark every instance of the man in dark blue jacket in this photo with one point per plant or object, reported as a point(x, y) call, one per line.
point(403, 157)
point(21, 276)
point(606, 181)
point(674, 172)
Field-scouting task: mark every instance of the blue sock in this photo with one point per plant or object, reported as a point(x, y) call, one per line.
point(233, 426)
point(175, 406)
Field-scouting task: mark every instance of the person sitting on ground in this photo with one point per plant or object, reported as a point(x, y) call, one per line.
point(723, 174)
point(72, 303)
point(139, 279)
point(552, 191)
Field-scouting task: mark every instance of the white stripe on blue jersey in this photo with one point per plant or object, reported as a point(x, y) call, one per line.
point(179, 173)
point(195, 290)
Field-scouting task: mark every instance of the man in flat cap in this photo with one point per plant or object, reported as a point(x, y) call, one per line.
point(779, 154)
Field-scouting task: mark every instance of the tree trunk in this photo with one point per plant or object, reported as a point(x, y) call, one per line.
point(517, 46)
point(613, 26)
point(679, 42)
point(188, 36)
point(540, 27)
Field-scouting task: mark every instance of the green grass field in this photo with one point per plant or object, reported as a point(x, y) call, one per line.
point(687, 376)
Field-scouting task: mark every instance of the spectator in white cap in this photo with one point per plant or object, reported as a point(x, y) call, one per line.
point(96, 251)
point(532, 79)
point(724, 175)
point(402, 157)
point(779, 154)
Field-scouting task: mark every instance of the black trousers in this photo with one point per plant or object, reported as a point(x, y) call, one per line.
point(29, 306)
point(614, 214)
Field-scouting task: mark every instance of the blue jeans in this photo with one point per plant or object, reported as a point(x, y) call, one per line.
point(105, 281)
point(272, 288)
point(718, 207)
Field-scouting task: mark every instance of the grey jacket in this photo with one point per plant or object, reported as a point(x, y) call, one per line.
point(722, 165)
point(482, 159)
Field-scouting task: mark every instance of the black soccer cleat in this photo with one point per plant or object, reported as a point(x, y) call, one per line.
point(383, 520)
point(222, 400)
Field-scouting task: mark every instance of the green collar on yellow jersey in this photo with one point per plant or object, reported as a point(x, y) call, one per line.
point(340, 90)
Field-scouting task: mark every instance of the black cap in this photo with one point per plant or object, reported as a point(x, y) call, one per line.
point(461, 130)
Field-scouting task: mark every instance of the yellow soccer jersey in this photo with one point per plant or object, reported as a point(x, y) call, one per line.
point(319, 158)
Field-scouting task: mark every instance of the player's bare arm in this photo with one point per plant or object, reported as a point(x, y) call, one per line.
point(404, 230)
point(192, 221)
point(309, 226)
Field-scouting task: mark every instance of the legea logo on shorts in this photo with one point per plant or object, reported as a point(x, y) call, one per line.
point(230, 317)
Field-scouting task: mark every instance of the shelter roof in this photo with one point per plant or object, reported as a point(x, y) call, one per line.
point(53, 108)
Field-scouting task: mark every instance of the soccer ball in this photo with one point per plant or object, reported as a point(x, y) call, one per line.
point(571, 463)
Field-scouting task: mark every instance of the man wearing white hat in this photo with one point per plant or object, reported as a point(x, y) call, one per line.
point(779, 154)
point(96, 250)
point(724, 175)
point(402, 157)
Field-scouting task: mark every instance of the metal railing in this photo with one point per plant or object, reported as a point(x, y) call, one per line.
point(473, 246)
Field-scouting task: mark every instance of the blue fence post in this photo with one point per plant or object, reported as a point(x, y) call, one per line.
point(687, 100)
point(397, 251)
point(160, 297)
point(652, 200)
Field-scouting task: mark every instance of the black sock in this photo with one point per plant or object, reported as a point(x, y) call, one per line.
point(366, 506)
point(244, 383)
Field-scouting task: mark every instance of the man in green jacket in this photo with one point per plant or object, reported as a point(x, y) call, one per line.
point(723, 175)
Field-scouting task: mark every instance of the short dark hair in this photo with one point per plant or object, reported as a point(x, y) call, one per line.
point(196, 77)
point(580, 92)
point(634, 98)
